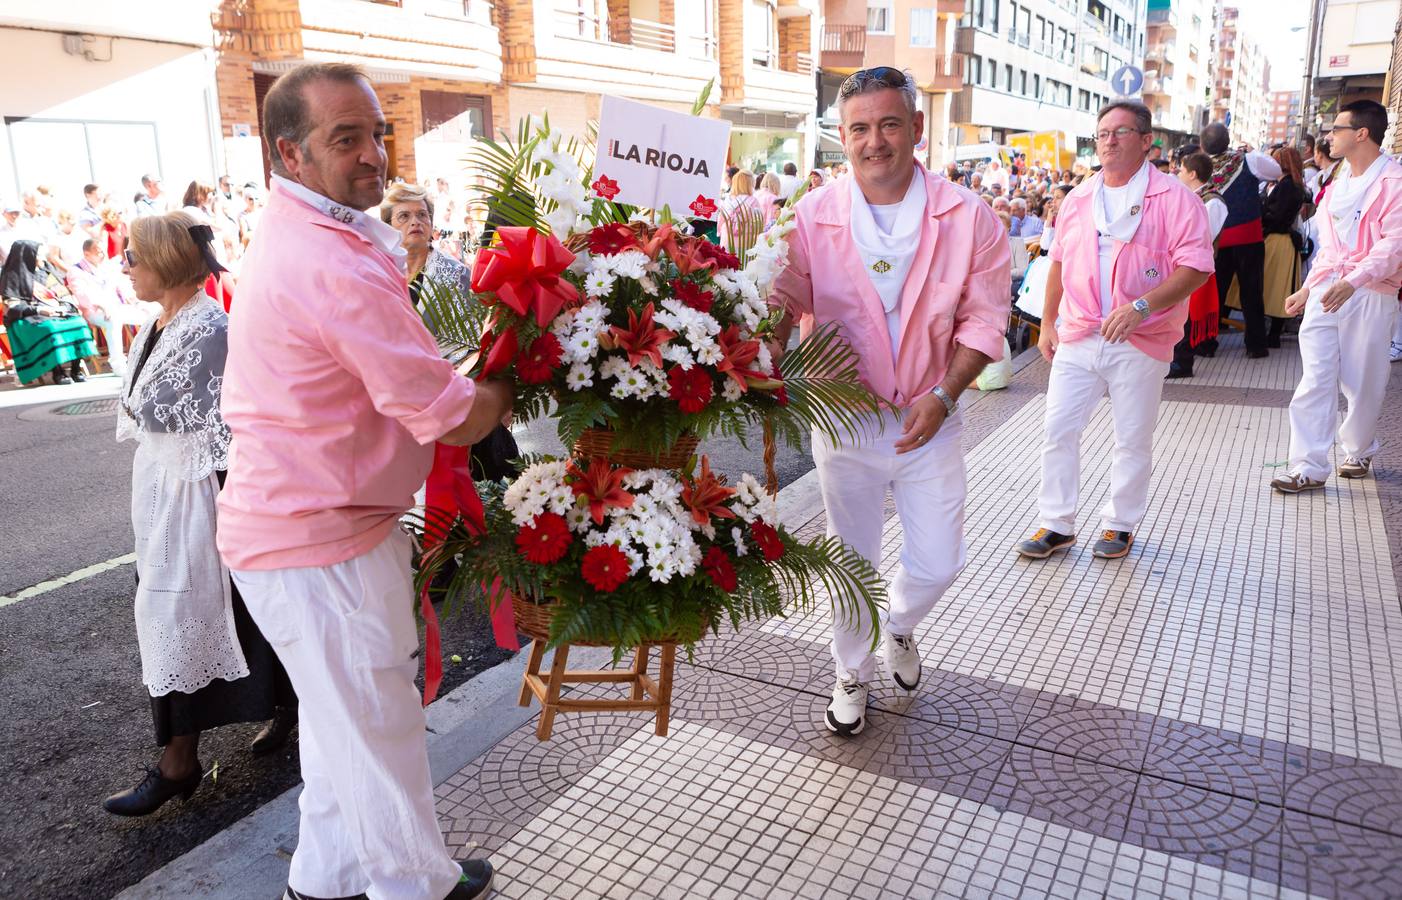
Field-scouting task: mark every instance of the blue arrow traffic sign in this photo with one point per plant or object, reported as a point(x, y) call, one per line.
point(1127, 80)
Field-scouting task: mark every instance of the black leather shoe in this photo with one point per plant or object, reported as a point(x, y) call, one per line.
point(1207, 348)
point(152, 793)
point(59, 376)
point(1273, 342)
point(1258, 354)
point(1177, 371)
point(274, 734)
point(476, 881)
point(75, 371)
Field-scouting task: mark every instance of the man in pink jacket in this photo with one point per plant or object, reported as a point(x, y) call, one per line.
point(335, 394)
point(1131, 244)
point(915, 272)
point(1350, 305)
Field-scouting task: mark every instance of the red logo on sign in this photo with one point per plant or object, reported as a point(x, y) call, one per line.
point(605, 187)
point(703, 206)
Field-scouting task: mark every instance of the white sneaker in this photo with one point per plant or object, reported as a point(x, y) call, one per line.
point(903, 659)
point(847, 712)
point(1394, 353)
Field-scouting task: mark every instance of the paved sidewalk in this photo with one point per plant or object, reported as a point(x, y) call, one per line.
point(1219, 714)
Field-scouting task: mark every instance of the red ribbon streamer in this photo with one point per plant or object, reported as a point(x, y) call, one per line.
point(450, 493)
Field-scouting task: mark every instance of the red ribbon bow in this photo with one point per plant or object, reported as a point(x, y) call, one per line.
point(523, 271)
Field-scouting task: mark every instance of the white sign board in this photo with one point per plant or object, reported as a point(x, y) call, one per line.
point(653, 158)
point(241, 129)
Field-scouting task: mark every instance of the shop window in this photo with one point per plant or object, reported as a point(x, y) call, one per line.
point(74, 152)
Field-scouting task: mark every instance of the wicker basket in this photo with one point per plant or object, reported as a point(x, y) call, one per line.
point(598, 442)
point(533, 620)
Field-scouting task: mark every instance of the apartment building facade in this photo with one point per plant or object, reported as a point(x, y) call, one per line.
point(1240, 87)
point(1284, 123)
point(104, 96)
point(913, 35)
point(1178, 67)
point(1043, 65)
point(1352, 54)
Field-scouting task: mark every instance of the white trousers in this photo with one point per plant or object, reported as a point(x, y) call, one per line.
point(112, 332)
point(346, 635)
point(928, 486)
point(1344, 350)
point(1081, 373)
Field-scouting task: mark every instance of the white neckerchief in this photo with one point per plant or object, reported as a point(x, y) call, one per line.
point(887, 257)
point(369, 227)
point(1123, 227)
point(1346, 197)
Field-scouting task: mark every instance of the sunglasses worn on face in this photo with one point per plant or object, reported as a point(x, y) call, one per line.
point(130, 258)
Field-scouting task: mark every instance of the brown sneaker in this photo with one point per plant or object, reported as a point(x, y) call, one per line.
point(1295, 484)
point(1355, 468)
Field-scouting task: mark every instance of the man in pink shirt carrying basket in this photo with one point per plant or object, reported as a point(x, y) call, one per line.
point(335, 394)
point(915, 272)
point(1131, 244)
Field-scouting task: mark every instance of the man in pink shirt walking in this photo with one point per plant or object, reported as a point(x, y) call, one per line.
point(915, 272)
point(1350, 305)
point(1131, 244)
point(335, 394)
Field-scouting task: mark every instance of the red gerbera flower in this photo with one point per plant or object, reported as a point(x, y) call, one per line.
point(605, 187)
point(771, 546)
point(605, 568)
point(690, 388)
point(722, 257)
point(544, 539)
point(540, 359)
point(614, 237)
point(719, 567)
point(601, 485)
point(691, 294)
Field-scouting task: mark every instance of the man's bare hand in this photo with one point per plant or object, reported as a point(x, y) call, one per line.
point(490, 407)
point(1047, 341)
point(1336, 296)
point(923, 419)
point(1120, 324)
point(1295, 303)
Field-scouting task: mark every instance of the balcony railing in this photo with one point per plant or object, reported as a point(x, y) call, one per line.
point(844, 38)
point(951, 67)
point(803, 63)
point(1165, 17)
point(626, 31)
point(645, 35)
point(1094, 23)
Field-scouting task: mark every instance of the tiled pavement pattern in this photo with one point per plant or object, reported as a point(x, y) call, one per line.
point(1216, 715)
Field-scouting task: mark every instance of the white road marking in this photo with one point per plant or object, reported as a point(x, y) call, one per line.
point(70, 578)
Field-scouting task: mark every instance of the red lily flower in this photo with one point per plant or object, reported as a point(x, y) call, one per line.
point(703, 206)
point(523, 272)
point(691, 256)
point(540, 359)
point(691, 294)
point(601, 485)
point(664, 238)
point(613, 237)
point(605, 187)
point(739, 355)
point(705, 495)
point(642, 339)
point(721, 570)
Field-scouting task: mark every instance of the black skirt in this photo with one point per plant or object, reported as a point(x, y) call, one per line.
point(249, 699)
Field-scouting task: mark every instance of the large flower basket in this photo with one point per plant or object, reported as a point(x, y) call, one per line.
point(600, 443)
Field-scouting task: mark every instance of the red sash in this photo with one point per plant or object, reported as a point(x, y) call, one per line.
point(1203, 312)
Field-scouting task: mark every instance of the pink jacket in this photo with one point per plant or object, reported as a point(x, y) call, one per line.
point(1377, 263)
point(334, 391)
point(1172, 233)
point(959, 289)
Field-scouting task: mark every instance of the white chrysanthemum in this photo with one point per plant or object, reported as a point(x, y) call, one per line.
point(578, 517)
point(731, 391)
point(580, 376)
point(591, 315)
point(678, 353)
point(562, 324)
point(629, 264)
point(581, 346)
point(741, 549)
point(765, 359)
point(598, 283)
point(709, 354)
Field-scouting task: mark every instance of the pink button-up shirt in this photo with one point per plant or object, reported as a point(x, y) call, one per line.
point(1376, 263)
point(1173, 232)
point(334, 391)
point(958, 291)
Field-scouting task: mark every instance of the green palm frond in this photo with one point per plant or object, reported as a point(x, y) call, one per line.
point(822, 381)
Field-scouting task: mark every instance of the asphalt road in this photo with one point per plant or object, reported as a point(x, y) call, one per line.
point(76, 724)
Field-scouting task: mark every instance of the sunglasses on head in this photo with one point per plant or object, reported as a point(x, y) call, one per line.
point(887, 75)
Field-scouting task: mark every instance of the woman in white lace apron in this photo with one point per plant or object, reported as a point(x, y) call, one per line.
point(203, 660)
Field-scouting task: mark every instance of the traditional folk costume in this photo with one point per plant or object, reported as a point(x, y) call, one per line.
point(1114, 246)
point(1203, 315)
point(335, 394)
point(906, 283)
point(1241, 249)
point(1360, 241)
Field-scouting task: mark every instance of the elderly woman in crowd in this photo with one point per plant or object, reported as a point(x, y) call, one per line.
point(203, 660)
point(48, 334)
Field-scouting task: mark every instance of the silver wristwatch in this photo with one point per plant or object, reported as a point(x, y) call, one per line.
point(950, 404)
point(1141, 306)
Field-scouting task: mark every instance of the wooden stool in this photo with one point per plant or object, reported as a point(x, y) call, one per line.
point(647, 694)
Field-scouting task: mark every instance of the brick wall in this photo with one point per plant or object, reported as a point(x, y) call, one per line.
point(732, 51)
point(516, 24)
point(1394, 103)
point(245, 31)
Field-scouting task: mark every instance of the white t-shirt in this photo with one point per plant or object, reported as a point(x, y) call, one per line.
point(1116, 200)
point(885, 217)
point(1216, 217)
